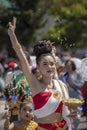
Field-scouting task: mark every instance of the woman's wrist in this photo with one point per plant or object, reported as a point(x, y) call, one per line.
point(7, 123)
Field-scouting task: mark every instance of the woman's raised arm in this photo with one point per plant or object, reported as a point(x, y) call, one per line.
point(19, 51)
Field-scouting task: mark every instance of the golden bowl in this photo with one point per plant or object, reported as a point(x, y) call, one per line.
point(72, 103)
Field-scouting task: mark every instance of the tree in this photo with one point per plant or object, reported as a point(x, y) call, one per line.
point(30, 18)
point(70, 30)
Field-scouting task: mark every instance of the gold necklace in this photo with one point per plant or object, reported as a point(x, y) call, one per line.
point(29, 126)
point(51, 87)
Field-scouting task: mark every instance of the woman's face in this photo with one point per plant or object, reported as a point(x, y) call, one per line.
point(68, 66)
point(26, 112)
point(47, 66)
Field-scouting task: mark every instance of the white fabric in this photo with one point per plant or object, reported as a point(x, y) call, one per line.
point(76, 78)
point(50, 107)
point(77, 62)
point(65, 111)
point(83, 69)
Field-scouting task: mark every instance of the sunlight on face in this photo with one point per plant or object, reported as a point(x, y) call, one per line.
point(27, 112)
point(68, 66)
point(47, 66)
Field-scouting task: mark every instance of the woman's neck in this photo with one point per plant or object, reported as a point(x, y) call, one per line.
point(25, 121)
point(46, 80)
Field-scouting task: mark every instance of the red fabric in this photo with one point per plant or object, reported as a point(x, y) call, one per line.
point(53, 126)
point(40, 99)
point(84, 90)
point(59, 109)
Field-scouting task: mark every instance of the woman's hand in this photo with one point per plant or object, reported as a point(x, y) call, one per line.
point(12, 26)
point(7, 115)
point(73, 114)
point(11, 33)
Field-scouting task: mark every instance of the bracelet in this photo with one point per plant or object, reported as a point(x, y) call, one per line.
point(16, 46)
point(6, 124)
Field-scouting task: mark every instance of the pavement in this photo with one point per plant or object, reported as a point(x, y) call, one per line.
point(82, 125)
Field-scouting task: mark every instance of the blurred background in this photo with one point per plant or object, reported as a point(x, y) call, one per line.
point(61, 21)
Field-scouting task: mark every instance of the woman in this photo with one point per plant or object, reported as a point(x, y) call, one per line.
point(47, 93)
point(73, 79)
point(26, 122)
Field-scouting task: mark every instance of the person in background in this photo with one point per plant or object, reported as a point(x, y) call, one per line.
point(72, 79)
point(26, 121)
point(2, 85)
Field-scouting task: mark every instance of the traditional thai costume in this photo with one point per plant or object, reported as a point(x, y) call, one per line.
point(46, 103)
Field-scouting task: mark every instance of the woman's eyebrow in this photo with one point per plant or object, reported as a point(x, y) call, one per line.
point(44, 62)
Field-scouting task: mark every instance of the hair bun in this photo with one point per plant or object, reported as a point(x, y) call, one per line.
point(42, 47)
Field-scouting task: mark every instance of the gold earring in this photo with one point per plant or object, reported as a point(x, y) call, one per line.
point(38, 74)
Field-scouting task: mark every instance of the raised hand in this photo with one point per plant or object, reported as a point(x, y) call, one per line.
point(12, 26)
point(11, 33)
point(7, 115)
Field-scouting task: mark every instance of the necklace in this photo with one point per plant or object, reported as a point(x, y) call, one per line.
point(51, 87)
point(29, 126)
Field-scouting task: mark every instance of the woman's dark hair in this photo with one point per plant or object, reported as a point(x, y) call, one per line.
point(24, 103)
point(34, 70)
point(42, 47)
point(73, 66)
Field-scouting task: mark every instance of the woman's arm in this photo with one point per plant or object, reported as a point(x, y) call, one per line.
point(19, 51)
point(8, 126)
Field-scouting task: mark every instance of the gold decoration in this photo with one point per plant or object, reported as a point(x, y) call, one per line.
point(15, 111)
point(16, 46)
point(56, 94)
point(73, 103)
point(6, 124)
point(30, 126)
point(28, 98)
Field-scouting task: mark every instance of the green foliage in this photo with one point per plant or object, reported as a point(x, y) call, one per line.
point(70, 18)
point(70, 30)
point(30, 18)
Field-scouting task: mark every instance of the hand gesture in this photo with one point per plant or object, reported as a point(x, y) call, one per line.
point(12, 26)
point(7, 115)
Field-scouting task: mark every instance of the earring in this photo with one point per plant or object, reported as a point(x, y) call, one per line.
point(38, 74)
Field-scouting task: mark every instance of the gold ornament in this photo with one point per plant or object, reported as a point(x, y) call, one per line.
point(30, 126)
point(56, 94)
